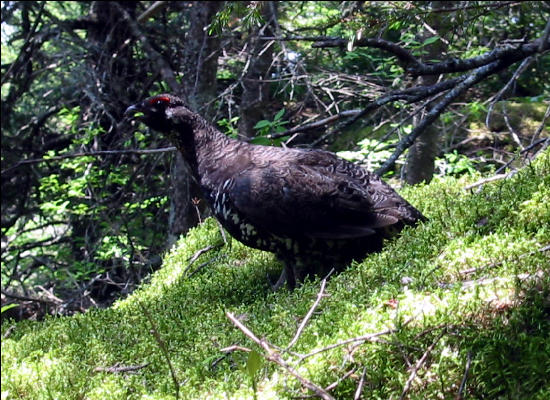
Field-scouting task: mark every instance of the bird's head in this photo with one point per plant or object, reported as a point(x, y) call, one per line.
point(163, 113)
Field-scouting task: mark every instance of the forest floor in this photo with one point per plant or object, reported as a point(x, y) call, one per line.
point(458, 307)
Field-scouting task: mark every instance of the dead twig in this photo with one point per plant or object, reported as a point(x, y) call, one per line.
point(204, 264)
point(476, 76)
point(371, 337)
point(360, 385)
point(274, 356)
point(164, 350)
point(419, 365)
point(542, 125)
point(115, 369)
point(495, 264)
point(465, 376)
point(498, 176)
point(8, 332)
point(320, 295)
point(87, 154)
point(199, 253)
point(337, 382)
point(235, 347)
point(486, 180)
point(26, 298)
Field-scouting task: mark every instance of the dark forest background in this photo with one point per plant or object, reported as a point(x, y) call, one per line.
point(90, 203)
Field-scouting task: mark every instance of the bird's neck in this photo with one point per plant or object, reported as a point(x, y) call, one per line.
point(201, 145)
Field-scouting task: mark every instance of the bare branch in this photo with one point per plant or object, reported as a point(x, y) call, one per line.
point(544, 43)
point(87, 154)
point(371, 337)
point(523, 66)
point(320, 295)
point(27, 298)
point(340, 379)
point(419, 365)
point(162, 346)
point(360, 385)
point(481, 6)
point(542, 124)
point(401, 53)
point(25, 47)
point(411, 95)
point(545, 142)
point(326, 41)
point(235, 347)
point(466, 370)
point(316, 124)
point(414, 67)
point(152, 10)
point(199, 253)
point(274, 356)
point(475, 77)
point(486, 180)
point(510, 54)
point(121, 369)
point(163, 66)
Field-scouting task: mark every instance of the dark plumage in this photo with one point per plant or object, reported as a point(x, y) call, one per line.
point(315, 211)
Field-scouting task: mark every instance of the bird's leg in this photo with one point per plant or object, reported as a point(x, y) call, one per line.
point(280, 282)
point(288, 275)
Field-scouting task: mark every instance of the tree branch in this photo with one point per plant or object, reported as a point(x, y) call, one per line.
point(401, 53)
point(475, 77)
point(164, 68)
point(415, 67)
point(121, 368)
point(509, 54)
point(320, 296)
point(87, 154)
point(371, 337)
point(154, 9)
point(274, 356)
point(26, 298)
point(418, 365)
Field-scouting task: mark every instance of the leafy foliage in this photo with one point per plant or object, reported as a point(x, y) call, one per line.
point(265, 128)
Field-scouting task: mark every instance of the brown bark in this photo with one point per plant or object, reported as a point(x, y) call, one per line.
point(421, 157)
point(255, 92)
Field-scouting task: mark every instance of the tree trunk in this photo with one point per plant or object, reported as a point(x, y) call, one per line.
point(105, 36)
point(255, 92)
point(421, 157)
point(199, 85)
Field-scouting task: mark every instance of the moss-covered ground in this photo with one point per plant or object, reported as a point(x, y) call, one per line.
point(462, 303)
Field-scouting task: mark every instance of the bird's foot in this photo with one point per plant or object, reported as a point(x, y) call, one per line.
point(280, 282)
point(288, 276)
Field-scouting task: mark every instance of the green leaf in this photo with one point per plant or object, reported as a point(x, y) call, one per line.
point(253, 363)
point(262, 140)
point(431, 40)
point(9, 307)
point(262, 124)
point(279, 115)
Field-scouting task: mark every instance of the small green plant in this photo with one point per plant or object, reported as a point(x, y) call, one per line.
point(372, 153)
point(455, 164)
point(254, 363)
point(266, 127)
point(230, 126)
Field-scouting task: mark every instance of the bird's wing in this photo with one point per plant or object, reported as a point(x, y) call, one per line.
point(318, 196)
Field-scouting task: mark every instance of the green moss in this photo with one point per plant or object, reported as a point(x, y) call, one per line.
point(472, 281)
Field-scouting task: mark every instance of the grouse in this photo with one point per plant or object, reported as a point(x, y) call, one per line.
point(314, 210)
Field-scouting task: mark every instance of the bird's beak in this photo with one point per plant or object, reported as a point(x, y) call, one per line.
point(131, 111)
